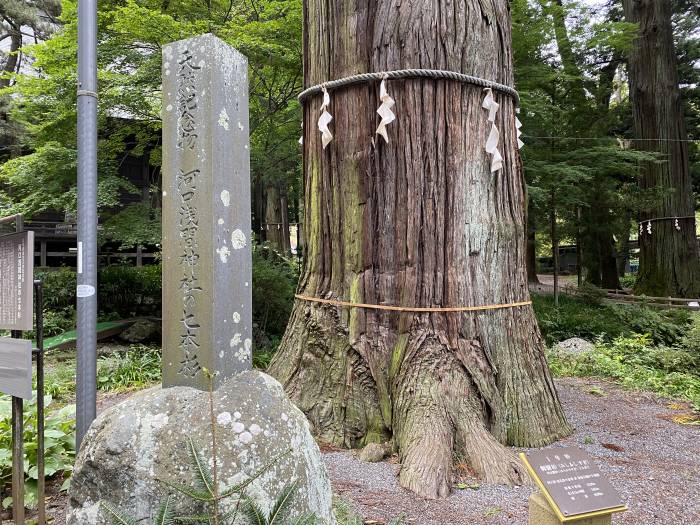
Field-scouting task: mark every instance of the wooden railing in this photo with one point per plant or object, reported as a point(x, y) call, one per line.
point(622, 297)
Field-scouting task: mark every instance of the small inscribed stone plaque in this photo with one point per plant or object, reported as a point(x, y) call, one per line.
point(572, 483)
point(17, 281)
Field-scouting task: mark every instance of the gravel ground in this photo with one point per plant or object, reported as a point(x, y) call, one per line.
point(657, 469)
point(652, 461)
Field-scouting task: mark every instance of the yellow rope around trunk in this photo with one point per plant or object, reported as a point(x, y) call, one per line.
point(452, 309)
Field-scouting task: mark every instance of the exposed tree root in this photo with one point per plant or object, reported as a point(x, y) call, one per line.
point(437, 411)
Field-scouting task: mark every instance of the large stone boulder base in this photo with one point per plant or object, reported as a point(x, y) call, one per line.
point(134, 444)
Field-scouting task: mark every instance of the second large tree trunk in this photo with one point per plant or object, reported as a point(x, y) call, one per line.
point(420, 221)
point(668, 261)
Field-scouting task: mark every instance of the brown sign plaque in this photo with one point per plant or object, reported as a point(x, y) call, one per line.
point(17, 281)
point(572, 483)
point(16, 367)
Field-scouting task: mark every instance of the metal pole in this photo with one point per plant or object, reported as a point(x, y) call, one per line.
point(40, 452)
point(87, 217)
point(18, 433)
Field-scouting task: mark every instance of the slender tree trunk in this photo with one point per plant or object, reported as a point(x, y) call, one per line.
point(531, 246)
point(555, 246)
point(277, 221)
point(420, 221)
point(668, 264)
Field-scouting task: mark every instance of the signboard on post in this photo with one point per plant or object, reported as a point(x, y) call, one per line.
point(17, 281)
point(207, 257)
point(16, 367)
point(572, 484)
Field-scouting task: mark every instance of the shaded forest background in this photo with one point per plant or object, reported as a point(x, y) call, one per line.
point(571, 71)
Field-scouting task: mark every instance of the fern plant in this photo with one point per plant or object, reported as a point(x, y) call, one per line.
point(279, 511)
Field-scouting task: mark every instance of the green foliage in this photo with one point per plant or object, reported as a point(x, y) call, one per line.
point(59, 445)
point(344, 513)
point(132, 32)
point(125, 290)
point(691, 339)
point(628, 281)
point(636, 363)
point(590, 294)
point(131, 291)
point(256, 515)
point(274, 283)
point(59, 288)
point(663, 326)
point(576, 318)
point(262, 357)
point(59, 380)
point(140, 366)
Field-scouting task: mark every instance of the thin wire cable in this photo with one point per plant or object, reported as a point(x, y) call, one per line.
point(607, 138)
point(666, 219)
point(407, 74)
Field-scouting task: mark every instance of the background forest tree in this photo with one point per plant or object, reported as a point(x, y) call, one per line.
point(41, 176)
point(570, 66)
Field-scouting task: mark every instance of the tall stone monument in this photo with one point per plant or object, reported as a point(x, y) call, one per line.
point(134, 446)
point(207, 263)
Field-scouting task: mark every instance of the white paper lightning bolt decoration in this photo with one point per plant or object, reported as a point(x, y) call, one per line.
point(301, 139)
point(649, 227)
point(325, 119)
point(678, 226)
point(384, 111)
point(492, 142)
point(519, 125)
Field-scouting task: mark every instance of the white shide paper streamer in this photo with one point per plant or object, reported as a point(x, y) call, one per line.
point(519, 125)
point(325, 119)
point(384, 111)
point(492, 142)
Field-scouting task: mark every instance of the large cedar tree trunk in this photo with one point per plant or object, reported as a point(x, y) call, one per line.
point(668, 262)
point(417, 222)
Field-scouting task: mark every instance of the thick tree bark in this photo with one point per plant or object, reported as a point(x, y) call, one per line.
point(420, 221)
point(668, 262)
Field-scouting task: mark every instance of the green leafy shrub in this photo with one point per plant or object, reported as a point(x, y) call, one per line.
point(575, 318)
point(59, 445)
point(590, 294)
point(131, 291)
point(664, 326)
point(691, 339)
point(59, 381)
point(629, 280)
point(125, 290)
point(274, 283)
point(635, 362)
point(59, 288)
point(138, 367)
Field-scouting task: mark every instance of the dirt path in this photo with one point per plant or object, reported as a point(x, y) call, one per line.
point(652, 461)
